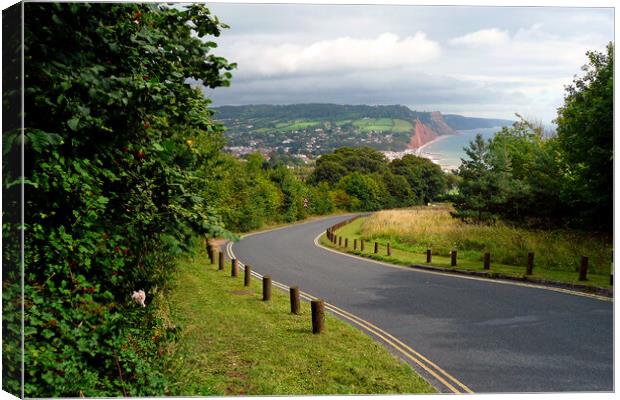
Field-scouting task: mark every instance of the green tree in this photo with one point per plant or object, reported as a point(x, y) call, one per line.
point(426, 179)
point(477, 184)
point(333, 166)
point(118, 146)
point(585, 133)
point(294, 193)
point(363, 191)
point(327, 171)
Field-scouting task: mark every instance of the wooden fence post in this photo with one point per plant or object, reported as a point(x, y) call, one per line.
point(210, 251)
point(318, 316)
point(294, 294)
point(487, 260)
point(221, 262)
point(346, 243)
point(389, 250)
point(361, 244)
point(266, 288)
point(234, 270)
point(215, 256)
point(530, 263)
point(376, 247)
point(247, 275)
point(583, 269)
point(340, 241)
point(453, 258)
point(429, 256)
point(354, 244)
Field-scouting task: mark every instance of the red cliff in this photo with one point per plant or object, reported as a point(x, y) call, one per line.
point(421, 134)
point(439, 124)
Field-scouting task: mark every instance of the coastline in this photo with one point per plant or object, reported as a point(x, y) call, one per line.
point(420, 153)
point(439, 138)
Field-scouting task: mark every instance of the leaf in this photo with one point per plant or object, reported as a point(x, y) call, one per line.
point(73, 123)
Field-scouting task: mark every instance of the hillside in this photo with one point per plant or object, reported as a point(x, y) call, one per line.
point(314, 129)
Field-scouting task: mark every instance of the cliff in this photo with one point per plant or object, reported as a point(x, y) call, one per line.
point(423, 133)
point(439, 125)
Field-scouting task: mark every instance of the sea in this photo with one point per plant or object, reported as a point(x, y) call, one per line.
point(448, 151)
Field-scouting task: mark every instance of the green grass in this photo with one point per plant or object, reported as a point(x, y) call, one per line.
point(382, 125)
point(297, 125)
point(232, 343)
point(467, 260)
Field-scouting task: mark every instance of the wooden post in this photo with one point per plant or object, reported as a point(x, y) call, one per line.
point(429, 256)
point(487, 260)
point(221, 262)
point(389, 250)
point(247, 275)
point(234, 270)
point(339, 240)
point(361, 244)
point(376, 247)
point(209, 251)
point(266, 288)
point(318, 316)
point(354, 244)
point(294, 292)
point(530, 263)
point(453, 258)
point(346, 243)
point(583, 269)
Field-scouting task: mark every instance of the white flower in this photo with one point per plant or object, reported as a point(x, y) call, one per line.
point(139, 297)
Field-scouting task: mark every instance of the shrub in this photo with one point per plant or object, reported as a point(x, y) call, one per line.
point(117, 145)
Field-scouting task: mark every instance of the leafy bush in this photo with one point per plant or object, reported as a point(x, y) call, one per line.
point(117, 145)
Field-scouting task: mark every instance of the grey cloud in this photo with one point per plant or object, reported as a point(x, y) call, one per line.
point(526, 74)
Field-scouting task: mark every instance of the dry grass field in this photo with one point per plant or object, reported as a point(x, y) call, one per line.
point(419, 228)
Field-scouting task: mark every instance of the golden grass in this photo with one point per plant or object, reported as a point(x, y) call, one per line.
point(419, 228)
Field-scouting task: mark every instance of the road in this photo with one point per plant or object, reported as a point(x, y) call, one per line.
point(488, 336)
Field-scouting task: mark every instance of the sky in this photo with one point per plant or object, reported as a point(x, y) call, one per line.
point(474, 61)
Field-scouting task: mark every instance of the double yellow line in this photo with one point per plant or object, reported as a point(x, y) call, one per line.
point(449, 381)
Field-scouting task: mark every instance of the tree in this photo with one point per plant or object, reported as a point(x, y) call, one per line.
point(397, 188)
point(426, 178)
point(363, 191)
point(585, 134)
point(118, 146)
point(476, 185)
point(345, 160)
point(327, 171)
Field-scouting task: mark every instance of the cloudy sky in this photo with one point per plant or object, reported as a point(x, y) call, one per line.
point(475, 61)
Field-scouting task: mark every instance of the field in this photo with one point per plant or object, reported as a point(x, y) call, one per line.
point(232, 343)
point(382, 125)
point(411, 232)
point(296, 125)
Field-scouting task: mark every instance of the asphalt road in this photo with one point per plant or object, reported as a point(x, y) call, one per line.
point(492, 337)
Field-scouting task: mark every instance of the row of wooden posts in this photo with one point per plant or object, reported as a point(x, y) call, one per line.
point(338, 241)
point(317, 306)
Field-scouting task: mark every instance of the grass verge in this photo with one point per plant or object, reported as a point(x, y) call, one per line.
point(232, 343)
point(407, 257)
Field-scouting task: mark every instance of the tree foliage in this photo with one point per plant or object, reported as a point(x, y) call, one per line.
point(118, 145)
point(527, 177)
point(399, 183)
point(585, 134)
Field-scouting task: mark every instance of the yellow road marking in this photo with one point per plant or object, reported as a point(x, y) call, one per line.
point(395, 343)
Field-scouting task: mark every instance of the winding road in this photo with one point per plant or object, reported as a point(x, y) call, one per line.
point(462, 334)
